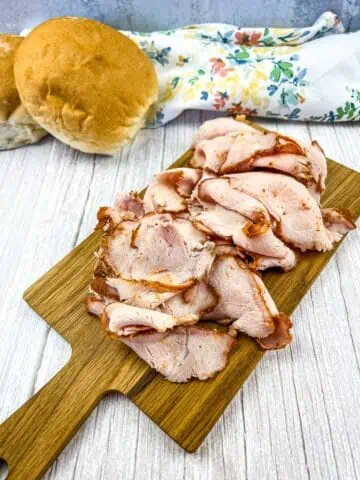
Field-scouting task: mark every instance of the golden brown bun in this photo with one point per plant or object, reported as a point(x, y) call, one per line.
point(85, 83)
point(9, 98)
point(17, 128)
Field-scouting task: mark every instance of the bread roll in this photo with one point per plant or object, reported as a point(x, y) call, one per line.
point(17, 128)
point(85, 83)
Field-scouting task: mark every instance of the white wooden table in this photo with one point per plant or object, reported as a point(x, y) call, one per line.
point(297, 416)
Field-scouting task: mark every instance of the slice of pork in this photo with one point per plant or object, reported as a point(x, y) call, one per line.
point(219, 127)
point(254, 261)
point(236, 153)
point(94, 305)
point(243, 298)
point(129, 202)
point(183, 353)
point(296, 213)
point(222, 211)
point(138, 294)
point(160, 251)
point(280, 337)
point(318, 162)
point(197, 300)
point(247, 146)
point(123, 320)
point(211, 154)
point(338, 222)
point(309, 169)
point(127, 206)
point(168, 190)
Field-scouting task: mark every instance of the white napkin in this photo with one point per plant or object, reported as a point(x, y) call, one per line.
point(297, 74)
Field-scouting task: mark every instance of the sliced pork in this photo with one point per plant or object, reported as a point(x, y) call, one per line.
point(211, 154)
point(243, 298)
point(138, 294)
point(129, 202)
point(191, 249)
point(183, 353)
point(225, 212)
point(127, 206)
point(249, 148)
point(198, 300)
point(168, 190)
point(281, 335)
point(94, 305)
point(122, 320)
point(162, 252)
point(296, 213)
point(318, 162)
point(219, 127)
point(254, 261)
point(338, 222)
point(309, 168)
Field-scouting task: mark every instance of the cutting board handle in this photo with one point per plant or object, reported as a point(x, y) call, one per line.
point(32, 438)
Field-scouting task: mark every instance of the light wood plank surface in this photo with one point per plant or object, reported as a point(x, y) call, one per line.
point(297, 416)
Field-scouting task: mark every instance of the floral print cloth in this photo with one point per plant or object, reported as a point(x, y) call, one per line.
point(297, 74)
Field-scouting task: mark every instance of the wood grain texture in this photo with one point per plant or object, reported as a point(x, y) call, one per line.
point(99, 365)
point(296, 417)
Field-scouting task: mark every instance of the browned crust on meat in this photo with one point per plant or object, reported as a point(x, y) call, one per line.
point(104, 323)
point(282, 322)
point(344, 212)
point(100, 286)
point(102, 269)
point(134, 235)
point(161, 287)
point(291, 146)
point(251, 260)
point(305, 178)
point(166, 287)
point(257, 226)
point(88, 301)
point(252, 229)
point(103, 217)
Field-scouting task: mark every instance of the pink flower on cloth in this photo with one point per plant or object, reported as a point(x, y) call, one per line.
point(244, 38)
point(218, 67)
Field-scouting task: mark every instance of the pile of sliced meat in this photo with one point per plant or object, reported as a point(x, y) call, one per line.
point(193, 248)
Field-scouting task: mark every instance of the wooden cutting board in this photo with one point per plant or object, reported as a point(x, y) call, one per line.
point(33, 437)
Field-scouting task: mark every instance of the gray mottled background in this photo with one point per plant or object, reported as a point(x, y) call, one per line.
point(149, 15)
